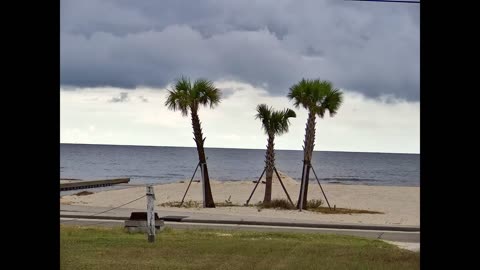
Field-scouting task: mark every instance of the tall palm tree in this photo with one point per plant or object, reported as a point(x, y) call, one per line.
point(317, 97)
point(187, 97)
point(273, 123)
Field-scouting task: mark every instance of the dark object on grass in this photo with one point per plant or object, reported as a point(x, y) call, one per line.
point(138, 222)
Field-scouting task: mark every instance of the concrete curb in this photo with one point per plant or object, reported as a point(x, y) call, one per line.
point(308, 225)
point(267, 223)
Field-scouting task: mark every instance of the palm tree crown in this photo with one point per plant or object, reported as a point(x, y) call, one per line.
point(185, 95)
point(316, 96)
point(274, 122)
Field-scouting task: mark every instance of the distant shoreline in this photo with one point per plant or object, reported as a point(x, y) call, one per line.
point(312, 181)
point(173, 146)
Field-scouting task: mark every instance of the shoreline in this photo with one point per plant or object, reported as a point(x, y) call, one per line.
point(312, 181)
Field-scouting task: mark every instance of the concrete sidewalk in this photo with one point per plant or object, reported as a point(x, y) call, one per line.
point(76, 211)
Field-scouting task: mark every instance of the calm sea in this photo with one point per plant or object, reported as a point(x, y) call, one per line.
point(153, 164)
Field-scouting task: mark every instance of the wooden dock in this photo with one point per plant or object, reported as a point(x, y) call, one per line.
point(92, 183)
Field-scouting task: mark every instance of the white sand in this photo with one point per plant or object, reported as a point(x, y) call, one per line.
point(400, 205)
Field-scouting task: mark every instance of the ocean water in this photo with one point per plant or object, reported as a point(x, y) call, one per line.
point(153, 164)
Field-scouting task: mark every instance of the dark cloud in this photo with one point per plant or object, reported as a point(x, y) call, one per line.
point(372, 48)
point(122, 98)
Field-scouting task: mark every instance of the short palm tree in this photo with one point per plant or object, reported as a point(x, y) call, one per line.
point(317, 97)
point(187, 97)
point(273, 123)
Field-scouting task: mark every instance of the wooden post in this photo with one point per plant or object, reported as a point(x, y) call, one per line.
point(284, 189)
point(321, 188)
point(258, 182)
point(196, 168)
point(150, 213)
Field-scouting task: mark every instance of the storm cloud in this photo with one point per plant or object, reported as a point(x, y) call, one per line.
point(372, 48)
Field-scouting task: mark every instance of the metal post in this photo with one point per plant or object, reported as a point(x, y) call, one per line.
point(321, 188)
point(150, 213)
point(196, 168)
point(256, 186)
point(202, 170)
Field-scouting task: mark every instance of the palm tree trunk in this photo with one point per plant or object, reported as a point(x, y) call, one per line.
point(309, 144)
point(199, 140)
point(269, 163)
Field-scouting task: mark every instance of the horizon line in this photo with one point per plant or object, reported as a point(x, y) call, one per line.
point(343, 151)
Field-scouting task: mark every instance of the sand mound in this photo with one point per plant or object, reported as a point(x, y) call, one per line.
point(287, 180)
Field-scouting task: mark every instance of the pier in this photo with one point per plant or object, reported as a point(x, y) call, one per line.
point(92, 183)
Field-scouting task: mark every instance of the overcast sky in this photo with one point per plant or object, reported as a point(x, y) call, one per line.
point(118, 56)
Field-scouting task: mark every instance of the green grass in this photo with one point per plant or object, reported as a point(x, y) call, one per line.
point(112, 248)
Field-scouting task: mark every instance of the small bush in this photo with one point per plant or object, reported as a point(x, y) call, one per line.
point(314, 204)
point(192, 204)
point(186, 204)
point(277, 204)
point(196, 204)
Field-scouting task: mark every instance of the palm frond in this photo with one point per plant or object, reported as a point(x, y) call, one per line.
point(289, 113)
point(178, 99)
point(206, 93)
point(303, 93)
point(184, 96)
point(264, 114)
point(333, 101)
point(183, 84)
point(274, 122)
point(283, 120)
point(317, 96)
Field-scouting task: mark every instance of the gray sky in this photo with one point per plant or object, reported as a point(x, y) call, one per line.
point(120, 55)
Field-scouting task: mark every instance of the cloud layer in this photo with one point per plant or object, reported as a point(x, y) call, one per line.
point(372, 48)
point(362, 124)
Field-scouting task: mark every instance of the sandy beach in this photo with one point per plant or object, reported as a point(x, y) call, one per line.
point(400, 205)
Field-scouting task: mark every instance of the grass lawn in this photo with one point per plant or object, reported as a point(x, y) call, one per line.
point(112, 248)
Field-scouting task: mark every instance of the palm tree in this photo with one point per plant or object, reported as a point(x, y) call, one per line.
point(187, 97)
point(273, 123)
point(317, 97)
